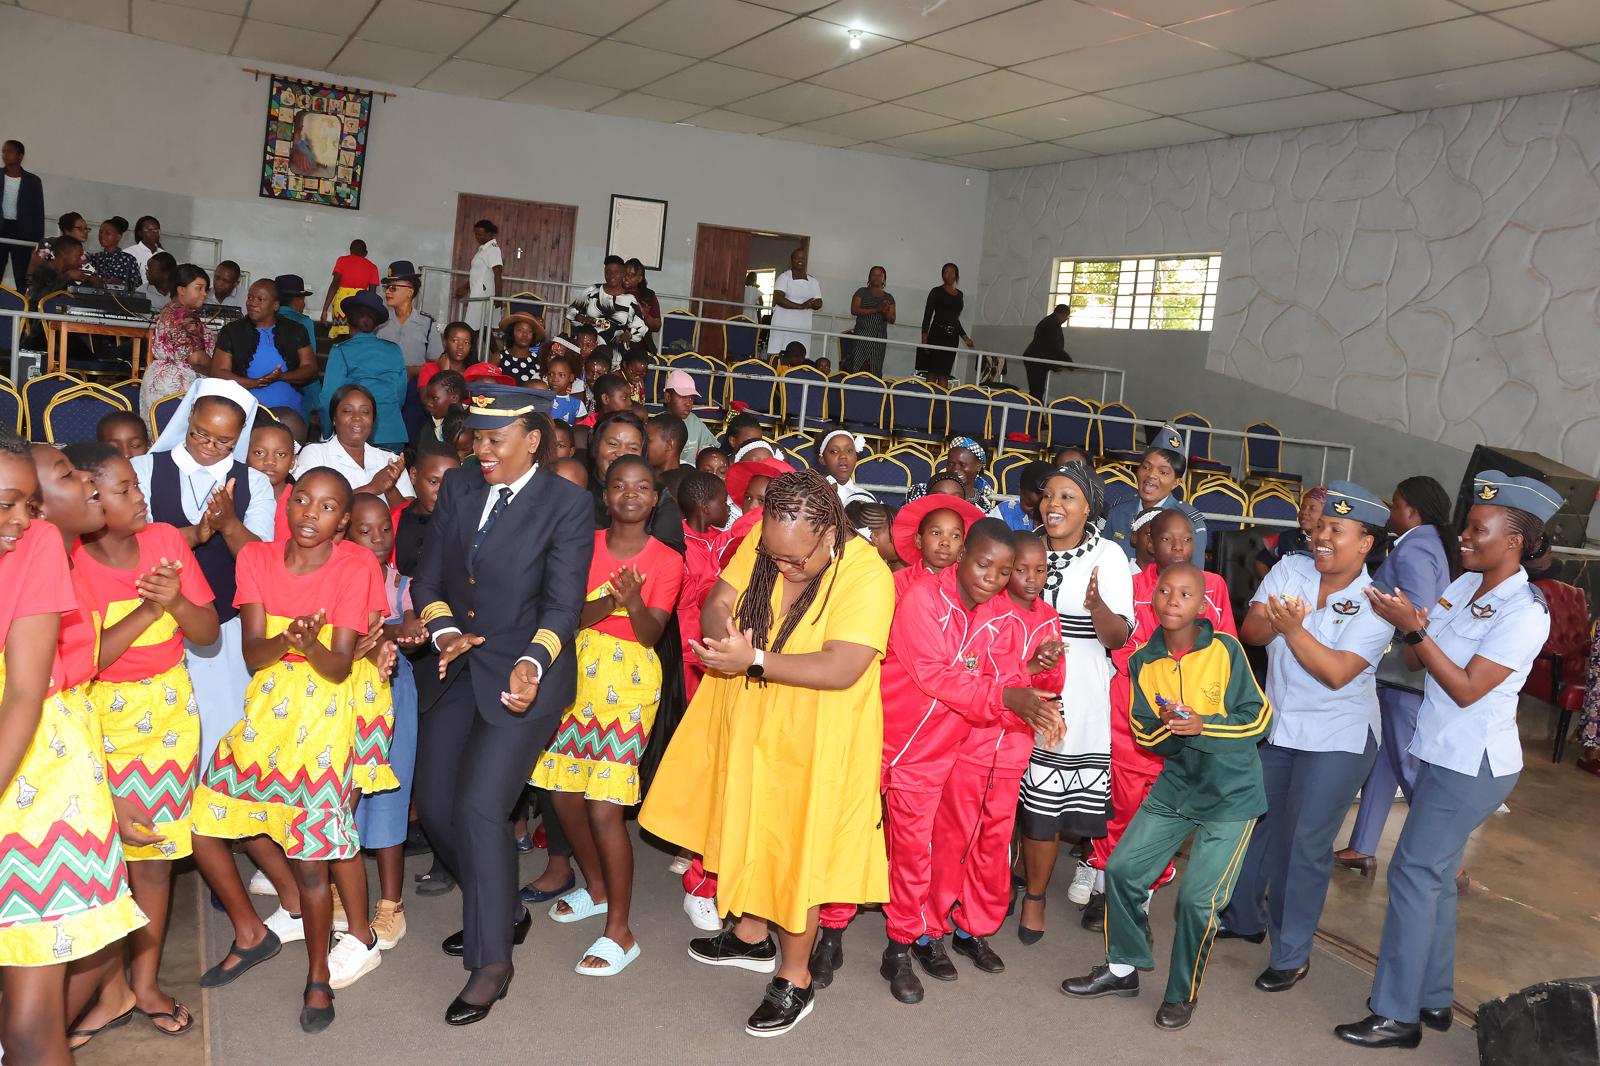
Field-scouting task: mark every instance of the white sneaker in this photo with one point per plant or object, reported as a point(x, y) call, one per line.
point(1082, 886)
point(679, 866)
point(260, 885)
point(702, 912)
point(287, 926)
point(350, 960)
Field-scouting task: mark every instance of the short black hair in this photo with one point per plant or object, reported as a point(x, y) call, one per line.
point(189, 273)
point(1033, 476)
point(64, 242)
point(139, 225)
point(742, 421)
point(1063, 307)
point(69, 220)
point(166, 259)
point(1178, 462)
point(457, 325)
point(486, 225)
point(713, 450)
point(673, 428)
point(120, 418)
point(226, 263)
point(293, 421)
point(346, 389)
point(630, 459)
point(584, 331)
point(328, 471)
point(699, 489)
point(993, 530)
point(614, 260)
point(566, 359)
point(18, 145)
point(1026, 538)
point(358, 243)
point(451, 381)
point(90, 455)
point(635, 355)
point(609, 385)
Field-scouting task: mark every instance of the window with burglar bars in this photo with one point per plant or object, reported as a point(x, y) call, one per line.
point(1162, 292)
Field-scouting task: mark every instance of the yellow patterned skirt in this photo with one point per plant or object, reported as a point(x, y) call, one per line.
point(151, 731)
point(597, 747)
point(63, 883)
point(372, 697)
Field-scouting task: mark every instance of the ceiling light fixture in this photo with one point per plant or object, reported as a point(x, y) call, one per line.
point(855, 40)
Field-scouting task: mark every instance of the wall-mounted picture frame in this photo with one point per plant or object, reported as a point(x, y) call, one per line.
point(638, 229)
point(316, 143)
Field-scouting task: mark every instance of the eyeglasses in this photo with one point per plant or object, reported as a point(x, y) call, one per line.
point(793, 564)
point(201, 437)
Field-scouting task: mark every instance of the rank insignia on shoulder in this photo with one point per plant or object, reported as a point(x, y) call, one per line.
point(1347, 607)
point(1483, 610)
point(1446, 604)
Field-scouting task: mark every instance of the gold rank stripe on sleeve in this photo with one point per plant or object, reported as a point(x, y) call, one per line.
point(549, 642)
point(433, 612)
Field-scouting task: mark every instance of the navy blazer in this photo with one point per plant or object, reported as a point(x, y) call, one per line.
point(30, 209)
point(1416, 566)
point(533, 570)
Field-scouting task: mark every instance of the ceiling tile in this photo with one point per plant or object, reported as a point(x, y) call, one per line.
point(560, 92)
point(1281, 26)
point(794, 7)
point(879, 123)
point(109, 14)
point(954, 140)
point(700, 28)
point(1444, 46)
point(800, 133)
point(985, 95)
point(326, 16)
point(205, 30)
point(1313, 109)
point(466, 78)
point(712, 84)
point(1157, 133)
point(654, 108)
point(800, 103)
point(1034, 32)
point(1513, 77)
point(885, 149)
point(1027, 155)
point(1132, 59)
point(1081, 114)
point(593, 16)
point(520, 45)
point(286, 44)
point(1244, 83)
point(907, 20)
point(1563, 22)
point(421, 26)
point(621, 66)
point(221, 7)
point(733, 122)
point(900, 72)
point(802, 48)
point(384, 62)
point(493, 7)
point(1490, 5)
point(1169, 12)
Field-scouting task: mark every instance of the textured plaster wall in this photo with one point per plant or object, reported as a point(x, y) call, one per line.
point(1435, 272)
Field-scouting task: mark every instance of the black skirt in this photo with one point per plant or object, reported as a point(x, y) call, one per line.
point(938, 356)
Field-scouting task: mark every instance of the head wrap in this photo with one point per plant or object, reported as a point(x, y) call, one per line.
point(177, 428)
point(1089, 483)
point(972, 446)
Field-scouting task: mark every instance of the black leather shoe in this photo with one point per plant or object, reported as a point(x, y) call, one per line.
point(1437, 1018)
point(896, 969)
point(1100, 982)
point(1174, 1016)
point(726, 949)
point(1094, 913)
point(781, 1008)
point(460, 1012)
point(316, 1019)
point(1376, 1031)
point(935, 963)
point(454, 944)
point(978, 950)
point(1281, 980)
point(1253, 938)
point(827, 955)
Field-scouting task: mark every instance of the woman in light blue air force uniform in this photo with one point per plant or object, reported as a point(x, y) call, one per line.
point(1476, 644)
point(1323, 642)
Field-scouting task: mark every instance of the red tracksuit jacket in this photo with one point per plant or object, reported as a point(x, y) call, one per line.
point(1006, 746)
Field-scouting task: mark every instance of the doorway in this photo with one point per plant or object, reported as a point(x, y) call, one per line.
point(724, 258)
point(536, 241)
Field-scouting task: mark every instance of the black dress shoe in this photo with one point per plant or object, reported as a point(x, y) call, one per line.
point(455, 944)
point(904, 984)
point(982, 955)
point(1174, 1016)
point(827, 955)
point(460, 1012)
point(1281, 980)
point(1376, 1031)
point(781, 1008)
point(1254, 938)
point(726, 949)
point(935, 963)
point(1101, 982)
point(316, 1019)
point(1094, 913)
point(1437, 1018)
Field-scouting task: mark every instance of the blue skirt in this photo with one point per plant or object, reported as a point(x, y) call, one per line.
point(381, 818)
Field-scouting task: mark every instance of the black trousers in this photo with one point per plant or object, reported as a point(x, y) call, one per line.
point(16, 255)
point(469, 775)
point(1038, 379)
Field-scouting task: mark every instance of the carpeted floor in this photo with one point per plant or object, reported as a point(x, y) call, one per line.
point(668, 1009)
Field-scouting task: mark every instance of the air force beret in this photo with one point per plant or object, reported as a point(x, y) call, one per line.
point(1346, 499)
point(1499, 489)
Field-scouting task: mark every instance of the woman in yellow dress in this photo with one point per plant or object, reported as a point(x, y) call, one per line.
point(773, 774)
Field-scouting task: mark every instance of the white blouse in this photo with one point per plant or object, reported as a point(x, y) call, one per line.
point(331, 453)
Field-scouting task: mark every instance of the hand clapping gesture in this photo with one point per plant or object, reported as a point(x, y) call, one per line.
point(627, 586)
point(1091, 595)
point(730, 655)
point(1040, 710)
point(1046, 656)
point(412, 632)
point(220, 513)
point(302, 632)
point(1286, 613)
point(1397, 609)
point(159, 586)
point(389, 476)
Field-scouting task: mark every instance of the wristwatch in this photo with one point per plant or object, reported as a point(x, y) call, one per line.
point(1415, 637)
point(757, 669)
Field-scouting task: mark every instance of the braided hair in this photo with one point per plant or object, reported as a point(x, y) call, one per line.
point(803, 496)
point(1531, 529)
point(1432, 504)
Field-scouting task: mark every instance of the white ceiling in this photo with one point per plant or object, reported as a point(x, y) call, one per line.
point(981, 83)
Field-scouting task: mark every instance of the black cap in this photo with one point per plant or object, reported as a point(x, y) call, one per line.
point(490, 406)
point(403, 270)
point(369, 300)
point(291, 285)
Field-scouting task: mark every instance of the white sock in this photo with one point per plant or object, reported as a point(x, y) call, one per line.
point(1145, 904)
point(1120, 969)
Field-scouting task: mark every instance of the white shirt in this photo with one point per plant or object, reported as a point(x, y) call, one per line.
point(199, 482)
point(480, 282)
point(235, 299)
point(331, 453)
point(787, 318)
point(8, 208)
point(142, 254)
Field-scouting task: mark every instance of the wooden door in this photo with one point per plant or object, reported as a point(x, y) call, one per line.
point(536, 241)
point(721, 258)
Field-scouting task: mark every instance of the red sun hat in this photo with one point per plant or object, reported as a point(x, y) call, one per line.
point(909, 519)
point(739, 475)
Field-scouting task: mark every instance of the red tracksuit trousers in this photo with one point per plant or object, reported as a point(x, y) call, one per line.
point(972, 848)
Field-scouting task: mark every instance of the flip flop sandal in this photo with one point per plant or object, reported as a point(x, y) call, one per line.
point(581, 904)
point(172, 1014)
point(610, 952)
point(87, 1035)
point(222, 974)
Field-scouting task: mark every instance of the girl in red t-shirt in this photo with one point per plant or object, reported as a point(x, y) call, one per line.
point(272, 453)
point(288, 768)
point(592, 764)
point(144, 583)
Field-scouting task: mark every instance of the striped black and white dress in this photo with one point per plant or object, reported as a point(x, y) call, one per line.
point(1067, 788)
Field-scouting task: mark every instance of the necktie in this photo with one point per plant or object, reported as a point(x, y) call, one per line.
point(495, 512)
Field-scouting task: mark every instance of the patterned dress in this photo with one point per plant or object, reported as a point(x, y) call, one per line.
point(148, 714)
point(289, 768)
point(1589, 724)
point(177, 335)
point(63, 882)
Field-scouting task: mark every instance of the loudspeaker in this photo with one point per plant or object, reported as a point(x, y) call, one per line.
point(1577, 489)
point(1556, 1023)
